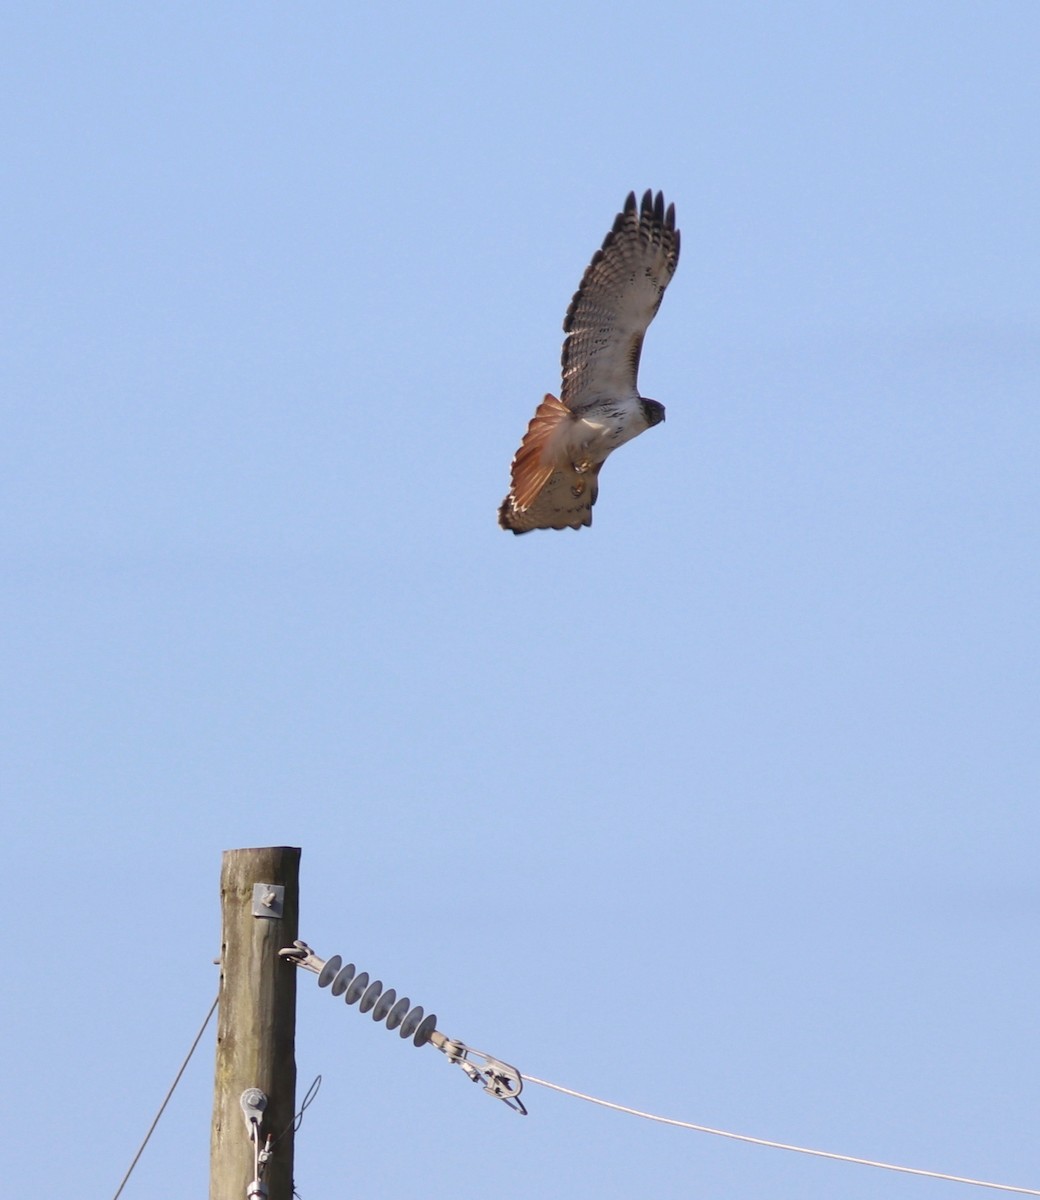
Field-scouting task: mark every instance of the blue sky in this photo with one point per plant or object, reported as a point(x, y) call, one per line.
point(725, 808)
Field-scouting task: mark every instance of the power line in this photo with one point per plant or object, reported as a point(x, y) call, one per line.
point(755, 1141)
point(162, 1107)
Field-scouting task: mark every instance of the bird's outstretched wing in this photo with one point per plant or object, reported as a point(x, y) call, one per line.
point(619, 295)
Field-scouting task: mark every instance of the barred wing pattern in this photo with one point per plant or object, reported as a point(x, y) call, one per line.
point(619, 296)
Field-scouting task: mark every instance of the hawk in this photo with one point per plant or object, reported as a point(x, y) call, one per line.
point(555, 473)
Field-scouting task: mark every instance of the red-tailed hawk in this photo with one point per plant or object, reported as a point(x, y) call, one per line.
point(555, 472)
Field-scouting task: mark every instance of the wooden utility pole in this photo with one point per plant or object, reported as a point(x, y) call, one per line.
point(256, 1026)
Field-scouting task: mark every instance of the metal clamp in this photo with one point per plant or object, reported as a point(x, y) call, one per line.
point(498, 1078)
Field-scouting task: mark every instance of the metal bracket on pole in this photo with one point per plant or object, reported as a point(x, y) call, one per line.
point(268, 900)
point(253, 1103)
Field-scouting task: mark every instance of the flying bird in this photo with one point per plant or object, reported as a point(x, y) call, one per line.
point(555, 473)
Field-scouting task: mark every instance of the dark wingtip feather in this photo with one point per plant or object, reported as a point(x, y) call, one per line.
point(651, 215)
point(621, 218)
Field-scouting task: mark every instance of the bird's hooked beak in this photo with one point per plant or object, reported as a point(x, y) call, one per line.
point(653, 411)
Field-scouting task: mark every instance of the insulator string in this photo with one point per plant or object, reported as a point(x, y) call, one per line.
point(357, 988)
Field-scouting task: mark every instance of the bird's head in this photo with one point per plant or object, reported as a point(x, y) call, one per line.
point(653, 412)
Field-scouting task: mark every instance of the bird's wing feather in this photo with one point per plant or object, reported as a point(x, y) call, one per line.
point(619, 295)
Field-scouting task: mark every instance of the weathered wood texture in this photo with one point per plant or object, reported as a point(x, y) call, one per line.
point(256, 1025)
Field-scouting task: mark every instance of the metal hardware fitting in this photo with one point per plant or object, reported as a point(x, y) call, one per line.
point(268, 899)
point(301, 955)
point(498, 1078)
point(253, 1103)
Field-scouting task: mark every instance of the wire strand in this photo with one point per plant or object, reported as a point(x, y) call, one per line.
point(755, 1141)
point(162, 1107)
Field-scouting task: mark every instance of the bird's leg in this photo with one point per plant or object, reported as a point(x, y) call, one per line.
point(580, 468)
